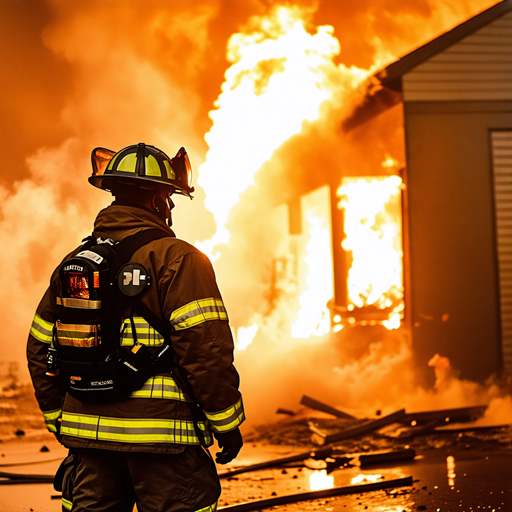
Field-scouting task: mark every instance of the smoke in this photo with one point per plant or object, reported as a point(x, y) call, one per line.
point(90, 73)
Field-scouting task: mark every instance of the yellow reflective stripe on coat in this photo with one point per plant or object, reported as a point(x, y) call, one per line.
point(209, 508)
point(66, 504)
point(228, 419)
point(41, 329)
point(160, 386)
point(197, 312)
point(132, 430)
point(51, 418)
point(145, 333)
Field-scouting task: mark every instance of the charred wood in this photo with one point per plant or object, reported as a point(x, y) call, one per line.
point(314, 495)
point(371, 426)
point(457, 415)
point(470, 428)
point(386, 457)
point(317, 454)
point(280, 410)
point(320, 406)
point(421, 430)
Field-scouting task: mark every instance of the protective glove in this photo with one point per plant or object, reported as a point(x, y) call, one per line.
point(57, 432)
point(231, 443)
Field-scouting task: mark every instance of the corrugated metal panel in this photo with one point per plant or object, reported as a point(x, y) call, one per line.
point(479, 67)
point(501, 142)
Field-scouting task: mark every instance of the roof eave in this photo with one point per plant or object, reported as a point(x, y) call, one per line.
point(391, 76)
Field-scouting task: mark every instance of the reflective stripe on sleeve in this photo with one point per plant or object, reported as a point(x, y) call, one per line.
point(209, 508)
point(132, 430)
point(197, 312)
point(66, 504)
point(160, 386)
point(228, 419)
point(41, 329)
point(145, 333)
point(50, 419)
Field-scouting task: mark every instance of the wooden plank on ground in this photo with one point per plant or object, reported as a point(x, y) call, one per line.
point(315, 495)
point(359, 430)
point(312, 403)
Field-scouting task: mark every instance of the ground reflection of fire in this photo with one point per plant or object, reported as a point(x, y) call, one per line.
point(320, 480)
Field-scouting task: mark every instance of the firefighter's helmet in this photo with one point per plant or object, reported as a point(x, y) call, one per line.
point(144, 166)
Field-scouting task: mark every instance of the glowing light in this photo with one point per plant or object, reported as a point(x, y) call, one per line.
point(319, 480)
point(450, 465)
point(245, 336)
point(314, 316)
point(279, 77)
point(373, 232)
point(389, 162)
point(366, 479)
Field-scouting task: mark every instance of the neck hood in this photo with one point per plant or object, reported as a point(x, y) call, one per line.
point(118, 221)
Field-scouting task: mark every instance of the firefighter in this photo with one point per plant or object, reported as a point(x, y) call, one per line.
point(150, 448)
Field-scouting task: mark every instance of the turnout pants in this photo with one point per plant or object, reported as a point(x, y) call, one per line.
point(115, 481)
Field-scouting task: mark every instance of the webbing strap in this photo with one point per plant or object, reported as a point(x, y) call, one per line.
point(126, 247)
point(164, 329)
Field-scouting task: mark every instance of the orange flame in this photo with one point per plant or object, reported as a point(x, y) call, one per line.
point(279, 77)
point(314, 316)
point(373, 232)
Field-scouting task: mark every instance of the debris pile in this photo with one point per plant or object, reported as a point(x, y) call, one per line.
point(312, 427)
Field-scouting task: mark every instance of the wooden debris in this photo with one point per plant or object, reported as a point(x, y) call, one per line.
point(280, 410)
point(386, 457)
point(348, 433)
point(469, 428)
point(421, 430)
point(457, 415)
point(319, 406)
point(317, 454)
point(17, 478)
point(314, 495)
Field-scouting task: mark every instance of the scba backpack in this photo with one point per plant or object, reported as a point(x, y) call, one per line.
point(86, 354)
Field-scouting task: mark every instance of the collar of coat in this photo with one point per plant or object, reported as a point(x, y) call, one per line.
point(120, 220)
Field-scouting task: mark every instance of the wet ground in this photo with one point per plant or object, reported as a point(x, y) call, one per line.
point(458, 471)
point(443, 480)
point(472, 480)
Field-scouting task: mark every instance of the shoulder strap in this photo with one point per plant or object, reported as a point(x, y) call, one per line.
point(126, 247)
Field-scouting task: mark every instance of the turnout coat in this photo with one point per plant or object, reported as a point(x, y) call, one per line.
point(155, 418)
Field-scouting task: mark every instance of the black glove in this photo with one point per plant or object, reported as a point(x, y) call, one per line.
point(57, 433)
point(231, 443)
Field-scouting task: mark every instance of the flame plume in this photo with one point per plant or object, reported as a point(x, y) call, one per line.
point(279, 77)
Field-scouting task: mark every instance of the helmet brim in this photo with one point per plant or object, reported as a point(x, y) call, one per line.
point(106, 182)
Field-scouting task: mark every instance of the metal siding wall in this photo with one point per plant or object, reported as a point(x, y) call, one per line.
point(479, 67)
point(502, 169)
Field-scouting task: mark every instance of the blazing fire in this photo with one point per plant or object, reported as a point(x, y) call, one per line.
point(313, 317)
point(373, 229)
point(279, 77)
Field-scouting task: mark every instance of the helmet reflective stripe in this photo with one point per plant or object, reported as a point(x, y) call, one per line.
point(127, 164)
point(170, 173)
point(152, 167)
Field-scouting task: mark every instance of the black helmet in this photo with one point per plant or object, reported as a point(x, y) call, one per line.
point(145, 166)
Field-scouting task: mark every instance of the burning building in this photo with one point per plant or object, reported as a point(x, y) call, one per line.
point(412, 233)
point(456, 93)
